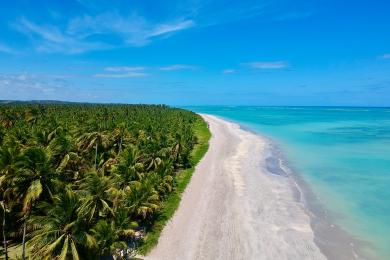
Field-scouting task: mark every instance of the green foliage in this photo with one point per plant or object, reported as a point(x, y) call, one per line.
point(87, 181)
point(182, 179)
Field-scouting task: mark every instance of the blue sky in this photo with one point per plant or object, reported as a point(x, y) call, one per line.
point(197, 52)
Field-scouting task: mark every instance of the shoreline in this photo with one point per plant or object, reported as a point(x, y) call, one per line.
point(333, 241)
point(234, 208)
point(245, 202)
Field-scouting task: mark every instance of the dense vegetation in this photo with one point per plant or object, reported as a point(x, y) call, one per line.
point(85, 181)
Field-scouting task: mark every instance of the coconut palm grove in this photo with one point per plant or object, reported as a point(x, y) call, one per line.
point(85, 181)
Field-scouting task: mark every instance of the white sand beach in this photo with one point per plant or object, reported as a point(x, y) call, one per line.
point(234, 208)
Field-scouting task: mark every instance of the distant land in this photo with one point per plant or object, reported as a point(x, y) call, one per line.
point(45, 102)
point(37, 102)
point(188, 107)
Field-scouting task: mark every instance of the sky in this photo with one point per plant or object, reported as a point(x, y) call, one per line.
point(197, 52)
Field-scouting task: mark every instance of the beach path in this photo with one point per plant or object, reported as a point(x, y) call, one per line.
point(233, 208)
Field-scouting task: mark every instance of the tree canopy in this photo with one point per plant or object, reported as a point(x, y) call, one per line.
point(81, 181)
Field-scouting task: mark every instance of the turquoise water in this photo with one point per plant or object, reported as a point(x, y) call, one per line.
point(342, 153)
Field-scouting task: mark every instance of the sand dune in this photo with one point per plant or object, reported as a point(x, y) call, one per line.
point(235, 208)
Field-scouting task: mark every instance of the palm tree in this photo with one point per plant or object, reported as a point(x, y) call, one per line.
point(60, 232)
point(59, 146)
point(94, 139)
point(124, 226)
point(7, 119)
point(107, 237)
point(129, 169)
point(69, 167)
point(120, 161)
point(95, 195)
point(153, 162)
point(142, 199)
point(7, 160)
point(5, 211)
point(33, 114)
point(40, 137)
point(113, 235)
point(33, 178)
point(119, 136)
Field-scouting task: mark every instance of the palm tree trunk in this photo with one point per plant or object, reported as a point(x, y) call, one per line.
point(24, 240)
point(96, 146)
point(120, 144)
point(4, 237)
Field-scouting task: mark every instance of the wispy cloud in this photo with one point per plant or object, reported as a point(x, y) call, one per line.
point(177, 67)
point(133, 29)
point(33, 86)
point(385, 56)
point(124, 68)
point(171, 27)
point(77, 33)
point(24, 84)
point(267, 64)
point(122, 72)
point(48, 38)
point(46, 32)
point(229, 71)
point(106, 25)
point(6, 49)
point(121, 75)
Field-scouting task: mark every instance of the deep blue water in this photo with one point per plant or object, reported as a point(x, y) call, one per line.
point(342, 153)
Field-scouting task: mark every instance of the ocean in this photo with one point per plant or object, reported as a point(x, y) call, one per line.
point(342, 154)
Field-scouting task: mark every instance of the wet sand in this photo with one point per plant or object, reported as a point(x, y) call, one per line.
point(242, 204)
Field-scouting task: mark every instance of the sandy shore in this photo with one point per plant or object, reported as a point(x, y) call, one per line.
point(237, 207)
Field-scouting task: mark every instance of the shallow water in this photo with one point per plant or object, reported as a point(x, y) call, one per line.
point(342, 153)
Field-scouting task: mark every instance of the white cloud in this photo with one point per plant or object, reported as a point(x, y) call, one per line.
point(177, 67)
point(171, 27)
point(29, 86)
point(47, 32)
point(75, 36)
point(122, 72)
point(123, 68)
point(267, 64)
point(228, 71)
point(121, 75)
point(134, 30)
point(51, 39)
point(107, 24)
point(24, 85)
